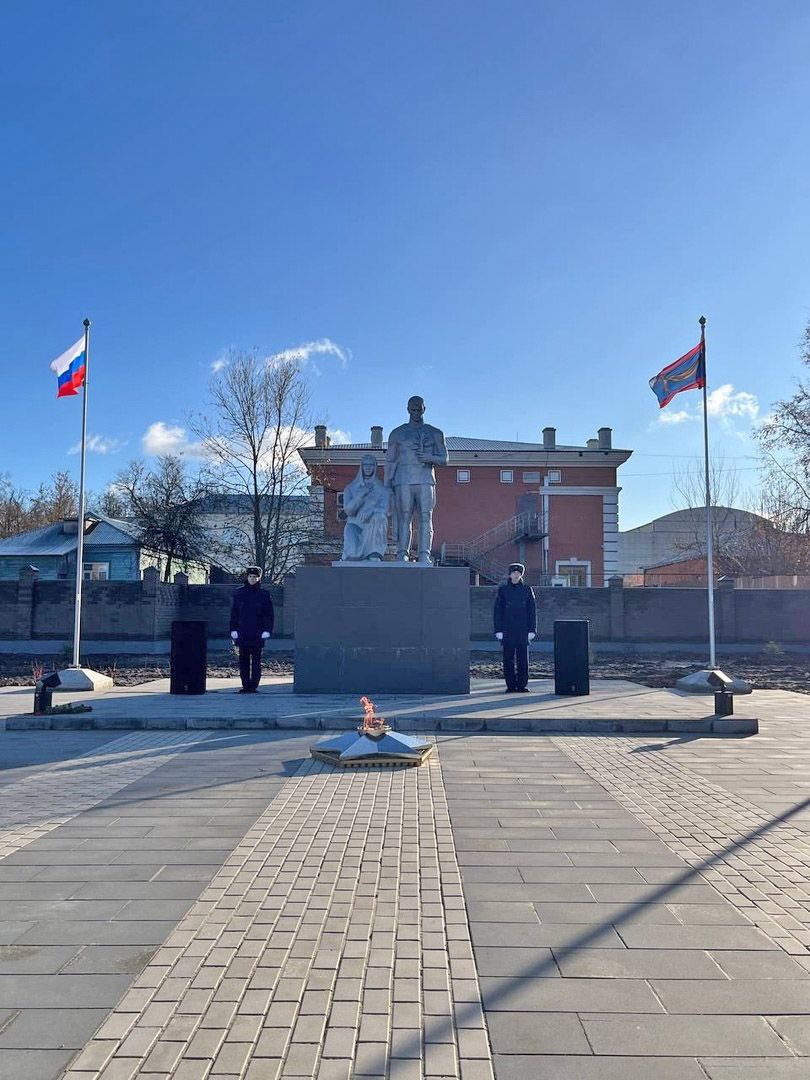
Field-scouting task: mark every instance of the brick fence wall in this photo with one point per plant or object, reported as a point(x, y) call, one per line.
point(144, 611)
point(116, 610)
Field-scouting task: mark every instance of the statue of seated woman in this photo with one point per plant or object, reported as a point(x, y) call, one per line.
point(365, 504)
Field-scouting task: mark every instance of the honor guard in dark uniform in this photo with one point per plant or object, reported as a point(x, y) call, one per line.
point(515, 619)
point(251, 625)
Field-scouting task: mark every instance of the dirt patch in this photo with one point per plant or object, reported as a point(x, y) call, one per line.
point(790, 671)
point(131, 670)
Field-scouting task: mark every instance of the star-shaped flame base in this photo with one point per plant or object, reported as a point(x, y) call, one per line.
point(362, 748)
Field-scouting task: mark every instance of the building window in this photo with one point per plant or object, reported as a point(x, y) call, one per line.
point(507, 476)
point(575, 572)
point(532, 477)
point(553, 476)
point(95, 571)
point(462, 476)
point(341, 513)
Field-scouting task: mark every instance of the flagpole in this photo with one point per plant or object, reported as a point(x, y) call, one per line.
point(709, 530)
point(77, 610)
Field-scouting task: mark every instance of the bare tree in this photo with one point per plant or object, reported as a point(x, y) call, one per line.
point(15, 514)
point(55, 501)
point(163, 504)
point(110, 502)
point(258, 420)
point(756, 539)
point(785, 438)
point(730, 527)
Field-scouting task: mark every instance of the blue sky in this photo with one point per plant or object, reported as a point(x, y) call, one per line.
point(518, 210)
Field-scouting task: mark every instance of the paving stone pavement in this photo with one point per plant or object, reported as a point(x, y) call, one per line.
point(41, 801)
point(84, 907)
point(333, 943)
point(528, 907)
point(602, 953)
point(761, 866)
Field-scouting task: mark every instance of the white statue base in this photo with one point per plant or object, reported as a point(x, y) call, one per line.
point(375, 564)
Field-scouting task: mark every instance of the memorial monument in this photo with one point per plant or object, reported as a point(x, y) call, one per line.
point(366, 625)
point(365, 503)
point(413, 449)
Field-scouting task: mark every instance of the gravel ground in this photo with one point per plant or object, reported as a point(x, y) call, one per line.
point(789, 671)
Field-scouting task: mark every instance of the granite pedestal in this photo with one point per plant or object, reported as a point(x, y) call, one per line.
point(382, 628)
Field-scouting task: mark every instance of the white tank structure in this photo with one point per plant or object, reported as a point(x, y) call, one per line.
point(373, 744)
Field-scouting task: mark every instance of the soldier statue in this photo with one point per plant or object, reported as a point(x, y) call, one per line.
point(413, 449)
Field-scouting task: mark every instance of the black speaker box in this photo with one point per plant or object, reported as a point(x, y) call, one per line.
point(571, 670)
point(188, 659)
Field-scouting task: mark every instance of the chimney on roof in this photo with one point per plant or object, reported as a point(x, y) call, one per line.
point(70, 526)
point(320, 436)
point(549, 438)
point(376, 436)
point(605, 438)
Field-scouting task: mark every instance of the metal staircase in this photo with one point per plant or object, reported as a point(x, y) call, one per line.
point(528, 526)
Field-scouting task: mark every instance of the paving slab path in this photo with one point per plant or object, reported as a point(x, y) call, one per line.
point(560, 907)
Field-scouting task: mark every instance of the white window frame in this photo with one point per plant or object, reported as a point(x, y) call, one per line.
point(531, 477)
point(586, 563)
point(463, 476)
point(507, 476)
point(553, 476)
point(95, 571)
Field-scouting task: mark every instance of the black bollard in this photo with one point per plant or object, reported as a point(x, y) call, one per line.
point(723, 703)
point(723, 697)
point(43, 692)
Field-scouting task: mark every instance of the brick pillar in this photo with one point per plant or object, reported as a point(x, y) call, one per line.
point(149, 601)
point(616, 590)
point(26, 602)
point(725, 610)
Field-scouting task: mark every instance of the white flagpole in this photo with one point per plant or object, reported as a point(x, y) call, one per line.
point(77, 611)
point(709, 530)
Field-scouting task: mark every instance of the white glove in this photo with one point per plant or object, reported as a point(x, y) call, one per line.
point(531, 636)
point(499, 636)
point(234, 635)
point(265, 635)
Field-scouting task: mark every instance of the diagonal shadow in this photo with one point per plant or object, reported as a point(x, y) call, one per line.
point(205, 744)
point(649, 747)
point(548, 967)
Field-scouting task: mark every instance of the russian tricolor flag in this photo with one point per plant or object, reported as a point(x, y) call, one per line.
point(70, 369)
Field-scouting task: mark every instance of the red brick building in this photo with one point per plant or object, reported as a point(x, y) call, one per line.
point(552, 507)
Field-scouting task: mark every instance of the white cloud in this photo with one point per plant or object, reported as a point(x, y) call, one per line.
point(725, 401)
point(219, 364)
point(160, 439)
point(339, 436)
point(98, 444)
point(303, 353)
point(677, 416)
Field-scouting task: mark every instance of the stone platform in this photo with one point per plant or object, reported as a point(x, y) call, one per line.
point(382, 628)
point(613, 706)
